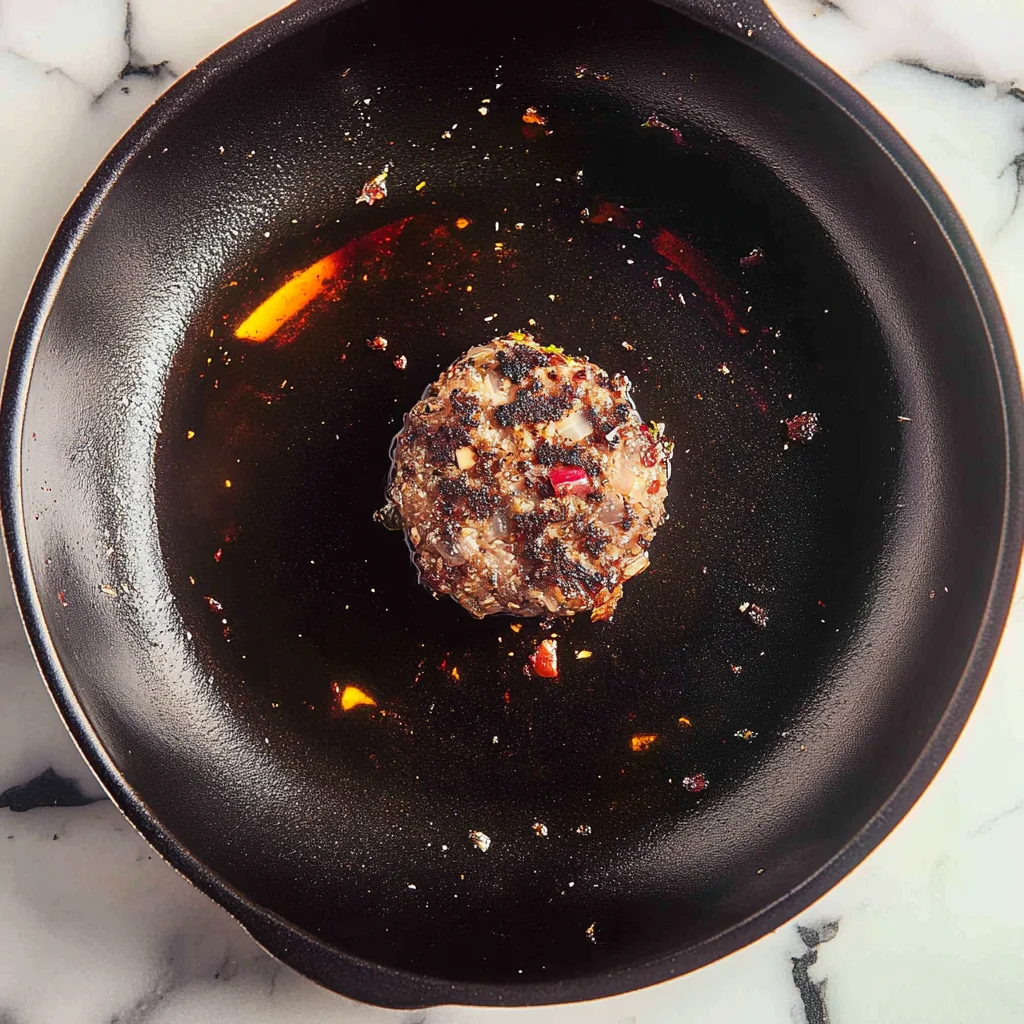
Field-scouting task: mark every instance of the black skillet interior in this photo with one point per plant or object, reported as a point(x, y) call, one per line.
point(199, 509)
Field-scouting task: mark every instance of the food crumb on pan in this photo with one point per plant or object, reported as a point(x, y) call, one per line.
point(753, 259)
point(350, 697)
point(757, 615)
point(544, 660)
point(378, 343)
point(642, 741)
point(583, 655)
point(684, 722)
point(539, 829)
point(374, 190)
point(735, 669)
point(591, 932)
point(583, 830)
point(656, 122)
point(803, 428)
point(400, 362)
point(480, 840)
point(532, 116)
point(744, 734)
point(695, 783)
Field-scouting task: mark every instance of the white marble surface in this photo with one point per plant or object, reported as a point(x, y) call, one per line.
point(95, 928)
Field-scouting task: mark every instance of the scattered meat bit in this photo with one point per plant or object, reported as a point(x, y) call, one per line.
point(754, 259)
point(757, 615)
point(540, 829)
point(736, 669)
point(684, 722)
point(213, 604)
point(583, 830)
point(745, 734)
point(802, 428)
point(516, 626)
point(656, 122)
point(531, 116)
point(378, 343)
point(695, 783)
point(480, 840)
point(374, 190)
point(642, 741)
point(218, 554)
point(591, 932)
point(61, 598)
point(400, 362)
point(544, 660)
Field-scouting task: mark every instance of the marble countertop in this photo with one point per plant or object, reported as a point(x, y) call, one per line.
point(94, 927)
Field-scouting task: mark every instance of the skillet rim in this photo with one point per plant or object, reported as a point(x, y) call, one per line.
point(375, 983)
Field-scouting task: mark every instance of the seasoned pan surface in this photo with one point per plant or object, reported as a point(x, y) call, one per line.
point(194, 537)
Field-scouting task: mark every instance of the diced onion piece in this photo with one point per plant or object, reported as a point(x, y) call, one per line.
point(492, 383)
point(612, 510)
point(636, 566)
point(622, 477)
point(465, 458)
point(575, 427)
point(568, 480)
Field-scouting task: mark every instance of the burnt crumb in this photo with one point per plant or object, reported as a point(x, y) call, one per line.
point(758, 615)
point(445, 441)
point(466, 407)
point(802, 428)
point(534, 408)
point(517, 361)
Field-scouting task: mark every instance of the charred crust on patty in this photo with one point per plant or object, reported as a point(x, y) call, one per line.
point(535, 407)
point(466, 407)
point(516, 361)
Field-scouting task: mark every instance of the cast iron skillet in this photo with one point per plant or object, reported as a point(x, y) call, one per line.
point(190, 632)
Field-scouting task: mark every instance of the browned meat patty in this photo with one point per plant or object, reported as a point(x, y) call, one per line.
point(527, 483)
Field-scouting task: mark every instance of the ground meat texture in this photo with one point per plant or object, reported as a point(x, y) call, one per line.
point(527, 483)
